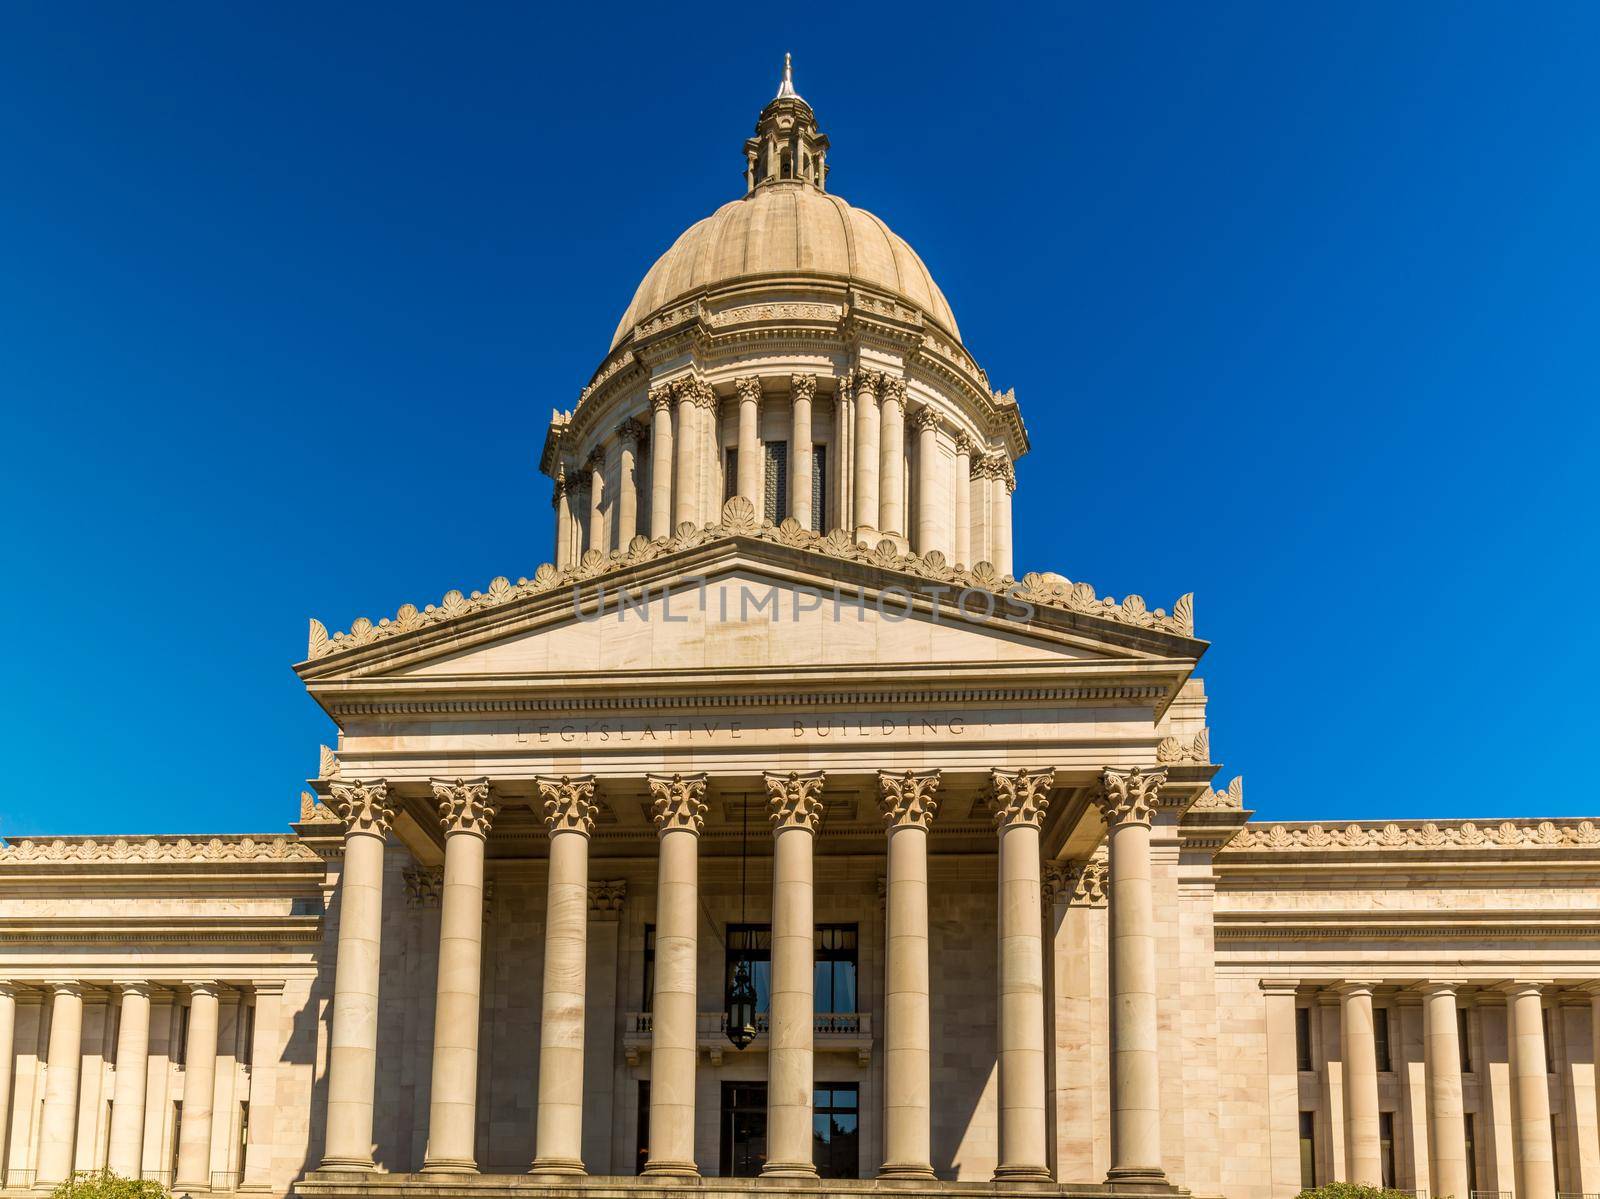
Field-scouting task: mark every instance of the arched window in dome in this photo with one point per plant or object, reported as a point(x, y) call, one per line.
point(785, 165)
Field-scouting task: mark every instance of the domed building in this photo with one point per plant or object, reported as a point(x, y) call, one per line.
point(778, 837)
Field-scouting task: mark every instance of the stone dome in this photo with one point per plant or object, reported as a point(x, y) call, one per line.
point(787, 225)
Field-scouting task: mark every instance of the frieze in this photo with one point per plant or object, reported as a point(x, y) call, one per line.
point(1466, 834)
point(774, 312)
point(158, 849)
point(739, 520)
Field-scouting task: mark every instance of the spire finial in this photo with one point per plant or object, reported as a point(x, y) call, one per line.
point(786, 88)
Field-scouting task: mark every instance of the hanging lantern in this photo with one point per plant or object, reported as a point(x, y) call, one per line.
point(741, 1016)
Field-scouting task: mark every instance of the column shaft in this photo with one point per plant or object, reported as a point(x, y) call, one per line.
point(963, 509)
point(801, 390)
point(892, 460)
point(561, 543)
point(597, 495)
point(687, 490)
point(748, 482)
point(679, 811)
point(1447, 1130)
point(60, 1117)
point(931, 533)
point(1002, 520)
point(199, 1087)
point(628, 483)
point(796, 812)
point(866, 450)
point(660, 462)
point(1364, 1163)
point(353, 1038)
point(266, 1051)
point(1023, 1151)
point(569, 814)
point(453, 1090)
point(1530, 1087)
point(8, 1038)
point(125, 1151)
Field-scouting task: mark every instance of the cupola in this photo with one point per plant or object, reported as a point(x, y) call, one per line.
point(787, 147)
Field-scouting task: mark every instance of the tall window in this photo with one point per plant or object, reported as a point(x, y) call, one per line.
point(744, 1129)
point(1472, 1157)
point(180, 1051)
point(1463, 1027)
point(1308, 1151)
point(1386, 1146)
point(730, 473)
point(1549, 1042)
point(819, 488)
point(750, 943)
point(247, 1035)
point(641, 1151)
point(836, 1129)
point(834, 982)
point(1380, 1037)
point(1302, 1038)
point(647, 1003)
point(775, 487)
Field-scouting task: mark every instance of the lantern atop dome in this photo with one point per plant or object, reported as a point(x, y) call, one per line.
point(787, 147)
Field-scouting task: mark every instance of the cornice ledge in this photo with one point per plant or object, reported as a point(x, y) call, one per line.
point(1560, 833)
point(138, 850)
point(739, 520)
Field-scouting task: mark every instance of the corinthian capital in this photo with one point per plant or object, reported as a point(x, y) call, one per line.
point(924, 418)
point(1021, 797)
point(1129, 796)
point(363, 806)
point(802, 387)
point(678, 801)
point(909, 799)
point(748, 387)
point(795, 800)
point(894, 390)
point(568, 803)
point(629, 433)
point(607, 895)
point(868, 383)
point(465, 805)
point(660, 398)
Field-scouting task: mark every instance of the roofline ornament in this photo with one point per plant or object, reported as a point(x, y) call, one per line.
point(1424, 835)
point(739, 520)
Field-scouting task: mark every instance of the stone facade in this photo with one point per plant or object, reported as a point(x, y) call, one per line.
point(779, 713)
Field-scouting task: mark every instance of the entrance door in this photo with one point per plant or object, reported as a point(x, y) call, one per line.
point(744, 1129)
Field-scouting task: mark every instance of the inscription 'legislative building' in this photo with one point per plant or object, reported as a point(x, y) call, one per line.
point(915, 869)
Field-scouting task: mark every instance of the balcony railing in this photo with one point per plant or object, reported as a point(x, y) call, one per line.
point(1492, 1194)
point(833, 1031)
point(224, 1180)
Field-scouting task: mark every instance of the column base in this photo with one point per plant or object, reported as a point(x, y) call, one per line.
point(789, 1170)
point(557, 1165)
point(670, 1169)
point(347, 1163)
point(912, 1171)
point(449, 1165)
point(1022, 1174)
point(1137, 1176)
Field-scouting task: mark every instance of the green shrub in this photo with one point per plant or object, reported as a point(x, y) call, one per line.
point(1351, 1190)
point(103, 1184)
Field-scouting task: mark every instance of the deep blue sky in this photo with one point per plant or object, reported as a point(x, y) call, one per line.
point(1300, 303)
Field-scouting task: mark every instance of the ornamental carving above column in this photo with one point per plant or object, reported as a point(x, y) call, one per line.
point(924, 419)
point(363, 806)
point(1021, 797)
point(867, 382)
point(795, 800)
point(1077, 883)
point(908, 799)
point(568, 803)
point(894, 390)
point(607, 895)
point(660, 398)
point(596, 459)
point(465, 805)
point(1129, 796)
point(678, 802)
point(629, 433)
point(802, 387)
point(965, 445)
point(748, 387)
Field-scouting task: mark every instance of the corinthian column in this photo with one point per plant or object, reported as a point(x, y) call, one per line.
point(1021, 799)
point(353, 1041)
point(8, 1035)
point(892, 460)
point(1530, 1084)
point(748, 482)
point(932, 524)
point(466, 812)
point(60, 1116)
point(1358, 1046)
point(686, 492)
point(1447, 1129)
point(1005, 484)
point(909, 803)
point(561, 547)
point(596, 466)
point(569, 812)
point(795, 801)
point(801, 390)
point(963, 507)
point(1128, 802)
point(867, 386)
point(199, 1087)
point(628, 434)
point(125, 1148)
point(660, 462)
point(678, 808)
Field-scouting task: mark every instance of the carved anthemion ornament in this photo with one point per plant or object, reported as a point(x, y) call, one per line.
point(141, 850)
point(1506, 835)
point(909, 797)
point(568, 803)
point(1229, 800)
point(363, 806)
point(678, 801)
point(1021, 796)
point(795, 800)
point(1173, 750)
point(1129, 796)
point(465, 805)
